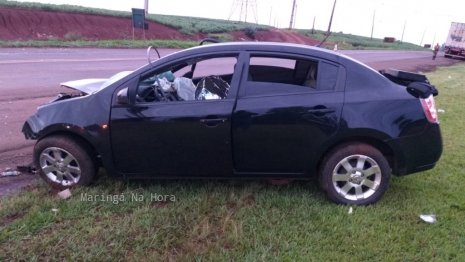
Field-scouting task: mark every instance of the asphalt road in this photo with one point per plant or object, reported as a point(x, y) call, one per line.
point(31, 76)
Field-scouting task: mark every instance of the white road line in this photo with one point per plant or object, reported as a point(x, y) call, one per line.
point(71, 60)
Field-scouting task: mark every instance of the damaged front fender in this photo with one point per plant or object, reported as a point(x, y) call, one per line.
point(32, 126)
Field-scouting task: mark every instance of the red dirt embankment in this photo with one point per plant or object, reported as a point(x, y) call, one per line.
point(27, 24)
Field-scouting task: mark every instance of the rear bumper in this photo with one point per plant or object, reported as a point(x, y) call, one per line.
point(417, 153)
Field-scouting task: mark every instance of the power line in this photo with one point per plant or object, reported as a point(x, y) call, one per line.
point(245, 5)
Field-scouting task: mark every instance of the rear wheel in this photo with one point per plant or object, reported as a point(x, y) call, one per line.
point(64, 162)
point(355, 174)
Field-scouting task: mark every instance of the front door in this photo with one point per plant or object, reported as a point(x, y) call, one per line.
point(178, 137)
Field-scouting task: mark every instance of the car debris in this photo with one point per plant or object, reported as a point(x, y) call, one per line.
point(10, 173)
point(351, 210)
point(27, 168)
point(65, 194)
point(441, 111)
point(428, 218)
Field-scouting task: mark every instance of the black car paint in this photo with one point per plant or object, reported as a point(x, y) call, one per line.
point(136, 140)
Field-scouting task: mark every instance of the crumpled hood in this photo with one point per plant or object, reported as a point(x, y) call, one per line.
point(87, 86)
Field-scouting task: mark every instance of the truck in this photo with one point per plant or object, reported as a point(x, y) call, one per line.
point(455, 43)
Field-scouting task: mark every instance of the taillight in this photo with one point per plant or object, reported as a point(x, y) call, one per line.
point(430, 109)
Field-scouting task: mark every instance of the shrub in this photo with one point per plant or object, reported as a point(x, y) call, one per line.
point(251, 31)
point(72, 36)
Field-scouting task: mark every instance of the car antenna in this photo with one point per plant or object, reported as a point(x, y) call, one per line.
point(324, 40)
point(148, 54)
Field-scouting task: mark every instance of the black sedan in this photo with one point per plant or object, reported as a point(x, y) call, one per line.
point(243, 110)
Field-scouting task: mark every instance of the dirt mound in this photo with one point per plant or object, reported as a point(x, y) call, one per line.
point(25, 24)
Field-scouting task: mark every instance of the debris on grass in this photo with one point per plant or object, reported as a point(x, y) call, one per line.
point(351, 210)
point(441, 111)
point(10, 173)
point(65, 194)
point(428, 218)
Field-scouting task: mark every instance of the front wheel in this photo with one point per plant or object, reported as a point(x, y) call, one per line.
point(355, 174)
point(64, 162)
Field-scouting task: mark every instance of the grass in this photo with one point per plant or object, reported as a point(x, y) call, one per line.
point(101, 44)
point(250, 220)
point(222, 37)
point(348, 41)
point(187, 25)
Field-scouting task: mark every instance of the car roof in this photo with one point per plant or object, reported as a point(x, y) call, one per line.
point(261, 46)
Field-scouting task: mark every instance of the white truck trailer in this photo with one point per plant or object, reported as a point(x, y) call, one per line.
point(455, 43)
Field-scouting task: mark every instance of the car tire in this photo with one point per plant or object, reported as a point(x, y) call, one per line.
point(64, 162)
point(354, 174)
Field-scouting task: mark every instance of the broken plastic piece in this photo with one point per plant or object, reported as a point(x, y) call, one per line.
point(422, 90)
point(65, 194)
point(10, 173)
point(55, 210)
point(428, 218)
point(30, 169)
point(351, 210)
point(441, 111)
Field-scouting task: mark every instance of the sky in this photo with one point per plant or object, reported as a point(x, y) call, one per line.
point(425, 20)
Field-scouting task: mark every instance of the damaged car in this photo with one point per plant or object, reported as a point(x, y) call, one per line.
point(243, 111)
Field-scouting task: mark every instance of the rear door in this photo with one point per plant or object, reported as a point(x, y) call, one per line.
point(288, 106)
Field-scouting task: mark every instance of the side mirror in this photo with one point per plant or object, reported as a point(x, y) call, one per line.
point(122, 96)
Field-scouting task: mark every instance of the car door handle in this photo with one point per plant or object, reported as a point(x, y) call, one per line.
point(212, 121)
point(321, 111)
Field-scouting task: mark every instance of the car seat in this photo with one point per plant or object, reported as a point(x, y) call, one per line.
point(310, 81)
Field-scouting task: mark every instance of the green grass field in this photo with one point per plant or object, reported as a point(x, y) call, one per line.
point(250, 220)
point(348, 41)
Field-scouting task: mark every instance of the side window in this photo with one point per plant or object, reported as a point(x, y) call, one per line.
point(287, 75)
point(201, 78)
point(328, 76)
point(219, 66)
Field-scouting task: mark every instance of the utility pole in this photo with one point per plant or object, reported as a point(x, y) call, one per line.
point(271, 11)
point(146, 6)
point(402, 39)
point(373, 25)
point(295, 16)
point(331, 20)
point(246, 5)
point(432, 44)
point(313, 28)
point(292, 15)
point(422, 37)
